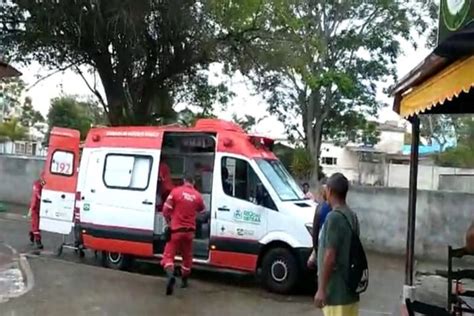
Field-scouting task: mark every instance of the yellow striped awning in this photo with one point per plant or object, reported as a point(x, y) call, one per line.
point(445, 85)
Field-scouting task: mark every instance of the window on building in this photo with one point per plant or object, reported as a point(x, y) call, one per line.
point(239, 180)
point(328, 161)
point(20, 148)
point(130, 172)
point(62, 163)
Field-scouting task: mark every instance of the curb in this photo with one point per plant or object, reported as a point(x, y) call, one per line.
point(27, 276)
point(27, 273)
point(14, 216)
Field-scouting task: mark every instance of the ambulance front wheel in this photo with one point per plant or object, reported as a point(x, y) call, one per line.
point(280, 271)
point(116, 260)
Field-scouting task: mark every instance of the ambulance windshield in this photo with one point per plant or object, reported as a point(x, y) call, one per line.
point(281, 180)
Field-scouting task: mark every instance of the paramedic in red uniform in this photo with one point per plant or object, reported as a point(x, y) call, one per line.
point(35, 235)
point(180, 210)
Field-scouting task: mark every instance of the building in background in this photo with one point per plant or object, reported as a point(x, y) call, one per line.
point(352, 158)
point(29, 147)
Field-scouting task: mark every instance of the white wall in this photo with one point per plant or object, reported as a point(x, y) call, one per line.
point(345, 157)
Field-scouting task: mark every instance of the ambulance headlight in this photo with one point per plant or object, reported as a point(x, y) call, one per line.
point(309, 227)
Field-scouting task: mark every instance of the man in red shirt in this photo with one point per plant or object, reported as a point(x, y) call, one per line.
point(35, 235)
point(180, 210)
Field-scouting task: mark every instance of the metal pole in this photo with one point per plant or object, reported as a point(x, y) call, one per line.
point(410, 250)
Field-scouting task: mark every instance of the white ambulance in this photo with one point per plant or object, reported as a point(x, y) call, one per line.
point(259, 220)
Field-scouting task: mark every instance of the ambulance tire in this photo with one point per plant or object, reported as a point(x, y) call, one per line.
point(280, 272)
point(116, 261)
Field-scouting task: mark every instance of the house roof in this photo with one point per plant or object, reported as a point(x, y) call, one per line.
point(388, 127)
point(7, 71)
point(441, 83)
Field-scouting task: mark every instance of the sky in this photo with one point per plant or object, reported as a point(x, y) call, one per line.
point(244, 102)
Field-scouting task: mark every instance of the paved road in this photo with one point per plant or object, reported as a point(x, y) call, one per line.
point(67, 286)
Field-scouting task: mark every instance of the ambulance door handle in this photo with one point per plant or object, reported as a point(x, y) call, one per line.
point(223, 209)
point(46, 201)
point(146, 202)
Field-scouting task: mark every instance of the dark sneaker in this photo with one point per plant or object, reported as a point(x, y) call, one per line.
point(39, 245)
point(32, 238)
point(170, 285)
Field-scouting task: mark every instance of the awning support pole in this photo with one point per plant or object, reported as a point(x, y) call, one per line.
point(410, 249)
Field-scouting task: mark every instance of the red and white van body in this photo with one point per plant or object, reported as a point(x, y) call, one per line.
point(259, 219)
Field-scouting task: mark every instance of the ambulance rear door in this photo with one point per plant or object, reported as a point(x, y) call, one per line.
point(60, 175)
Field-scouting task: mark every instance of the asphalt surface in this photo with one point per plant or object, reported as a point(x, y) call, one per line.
point(69, 285)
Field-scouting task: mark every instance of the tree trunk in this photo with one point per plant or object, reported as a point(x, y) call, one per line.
point(316, 151)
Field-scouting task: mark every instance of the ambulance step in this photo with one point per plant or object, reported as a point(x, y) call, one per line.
point(202, 265)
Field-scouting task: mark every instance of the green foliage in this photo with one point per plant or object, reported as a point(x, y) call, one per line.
point(302, 164)
point(147, 53)
point(71, 113)
point(188, 118)
point(247, 122)
point(318, 63)
point(461, 156)
point(12, 130)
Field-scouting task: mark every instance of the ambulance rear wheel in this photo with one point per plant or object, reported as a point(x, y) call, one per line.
point(280, 271)
point(116, 260)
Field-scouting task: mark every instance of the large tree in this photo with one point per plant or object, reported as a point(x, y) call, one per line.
point(440, 128)
point(145, 52)
point(320, 63)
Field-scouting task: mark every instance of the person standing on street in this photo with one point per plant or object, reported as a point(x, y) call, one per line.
point(307, 193)
point(334, 295)
point(180, 211)
point(322, 210)
point(35, 234)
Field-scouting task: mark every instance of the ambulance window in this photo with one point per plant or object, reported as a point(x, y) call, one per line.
point(239, 180)
point(127, 171)
point(62, 163)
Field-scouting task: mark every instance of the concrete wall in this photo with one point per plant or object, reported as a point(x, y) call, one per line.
point(459, 182)
point(16, 178)
point(442, 219)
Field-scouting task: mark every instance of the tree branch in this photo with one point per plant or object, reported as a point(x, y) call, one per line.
point(92, 89)
point(49, 75)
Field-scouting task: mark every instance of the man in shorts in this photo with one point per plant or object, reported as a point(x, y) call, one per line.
point(334, 296)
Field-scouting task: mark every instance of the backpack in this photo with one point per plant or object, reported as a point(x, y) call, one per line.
point(358, 280)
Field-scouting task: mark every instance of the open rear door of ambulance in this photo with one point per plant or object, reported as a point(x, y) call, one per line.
point(60, 175)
